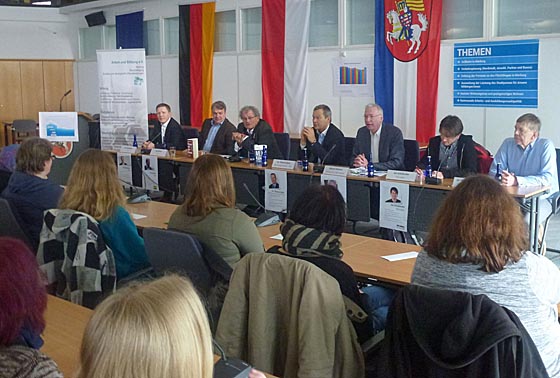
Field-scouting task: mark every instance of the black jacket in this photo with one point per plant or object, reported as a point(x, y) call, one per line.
point(223, 143)
point(174, 136)
point(333, 140)
point(391, 147)
point(262, 134)
point(467, 162)
point(443, 333)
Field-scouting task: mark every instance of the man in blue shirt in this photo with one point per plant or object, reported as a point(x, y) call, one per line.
point(216, 133)
point(528, 160)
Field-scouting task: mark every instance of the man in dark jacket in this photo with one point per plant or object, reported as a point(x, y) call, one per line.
point(167, 132)
point(254, 130)
point(216, 134)
point(452, 153)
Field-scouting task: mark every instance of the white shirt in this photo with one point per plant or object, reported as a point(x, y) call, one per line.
point(375, 145)
point(163, 129)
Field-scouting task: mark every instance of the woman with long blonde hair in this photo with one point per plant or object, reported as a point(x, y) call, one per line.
point(209, 211)
point(94, 188)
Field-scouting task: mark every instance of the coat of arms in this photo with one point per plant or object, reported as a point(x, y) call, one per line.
point(407, 27)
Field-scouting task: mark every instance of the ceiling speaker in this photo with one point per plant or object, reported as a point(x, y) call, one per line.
point(97, 18)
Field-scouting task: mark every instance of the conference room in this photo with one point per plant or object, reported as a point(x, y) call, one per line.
point(349, 54)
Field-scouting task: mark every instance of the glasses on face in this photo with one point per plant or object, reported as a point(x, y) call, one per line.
point(367, 116)
point(248, 118)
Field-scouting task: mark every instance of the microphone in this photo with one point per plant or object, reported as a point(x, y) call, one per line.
point(62, 98)
point(267, 218)
point(229, 367)
point(435, 180)
point(319, 168)
point(151, 140)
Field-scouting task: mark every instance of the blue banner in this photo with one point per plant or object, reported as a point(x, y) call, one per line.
point(130, 30)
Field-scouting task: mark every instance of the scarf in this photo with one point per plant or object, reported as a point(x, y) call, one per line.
point(300, 240)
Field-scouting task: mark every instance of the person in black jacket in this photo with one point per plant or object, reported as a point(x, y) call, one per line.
point(254, 130)
point(167, 132)
point(452, 153)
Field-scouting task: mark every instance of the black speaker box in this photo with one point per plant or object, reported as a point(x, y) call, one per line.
point(97, 18)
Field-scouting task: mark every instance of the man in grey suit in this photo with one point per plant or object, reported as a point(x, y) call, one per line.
point(381, 141)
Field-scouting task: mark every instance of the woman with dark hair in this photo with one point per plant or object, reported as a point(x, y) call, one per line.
point(312, 232)
point(24, 300)
point(209, 211)
point(29, 190)
point(478, 244)
point(452, 152)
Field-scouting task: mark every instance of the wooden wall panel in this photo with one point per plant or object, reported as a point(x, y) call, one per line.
point(69, 105)
point(54, 84)
point(33, 95)
point(10, 91)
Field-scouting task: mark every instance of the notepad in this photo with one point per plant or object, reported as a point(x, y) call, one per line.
point(401, 256)
point(138, 216)
point(277, 237)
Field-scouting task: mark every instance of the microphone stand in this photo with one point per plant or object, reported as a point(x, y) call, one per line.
point(62, 99)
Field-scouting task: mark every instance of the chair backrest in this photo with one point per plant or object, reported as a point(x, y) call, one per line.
point(467, 335)
point(411, 154)
point(9, 225)
point(283, 142)
point(190, 132)
point(73, 255)
point(180, 252)
point(287, 316)
point(349, 149)
point(25, 125)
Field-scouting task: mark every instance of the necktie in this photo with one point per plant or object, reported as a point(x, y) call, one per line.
point(321, 138)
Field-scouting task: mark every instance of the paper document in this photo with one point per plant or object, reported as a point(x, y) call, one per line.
point(401, 256)
point(277, 237)
point(138, 216)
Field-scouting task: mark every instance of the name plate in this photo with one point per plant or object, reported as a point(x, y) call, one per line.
point(336, 171)
point(401, 175)
point(283, 164)
point(159, 152)
point(457, 181)
point(128, 149)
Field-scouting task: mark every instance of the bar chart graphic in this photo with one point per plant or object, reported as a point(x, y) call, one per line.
point(352, 76)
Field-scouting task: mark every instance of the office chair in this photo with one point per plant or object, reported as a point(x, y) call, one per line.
point(411, 154)
point(283, 142)
point(9, 226)
point(190, 132)
point(286, 316)
point(349, 149)
point(555, 198)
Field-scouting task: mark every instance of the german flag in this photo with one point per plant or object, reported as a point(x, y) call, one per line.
point(196, 54)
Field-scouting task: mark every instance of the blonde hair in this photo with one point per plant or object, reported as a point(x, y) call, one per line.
point(93, 186)
point(210, 186)
point(149, 330)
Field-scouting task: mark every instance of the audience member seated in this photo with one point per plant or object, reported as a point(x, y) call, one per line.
point(452, 153)
point(527, 159)
point(7, 164)
point(379, 141)
point(94, 188)
point(154, 329)
point(29, 190)
point(24, 300)
point(478, 244)
point(254, 130)
point(216, 135)
point(312, 232)
point(322, 139)
point(209, 211)
point(167, 132)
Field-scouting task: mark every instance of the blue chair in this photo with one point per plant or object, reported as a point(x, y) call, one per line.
point(190, 132)
point(283, 142)
point(9, 225)
point(349, 149)
point(555, 198)
point(411, 154)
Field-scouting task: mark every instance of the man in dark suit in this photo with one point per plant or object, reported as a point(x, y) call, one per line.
point(216, 134)
point(382, 141)
point(254, 130)
point(167, 132)
point(322, 139)
point(274, 182)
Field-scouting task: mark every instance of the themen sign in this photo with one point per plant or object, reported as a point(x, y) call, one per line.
point(407, 27)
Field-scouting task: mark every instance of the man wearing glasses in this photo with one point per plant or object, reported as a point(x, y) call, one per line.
point(254, 130)
point(382, 142)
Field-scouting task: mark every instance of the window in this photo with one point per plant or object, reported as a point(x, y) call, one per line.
point(110, 36)
point(151, 37)
point(462, 19)
point(171, 26)
point(224, 34)
point(360, 25)
point(517, 17)
point(323, 23)
point(91, 39)
point(251, 29)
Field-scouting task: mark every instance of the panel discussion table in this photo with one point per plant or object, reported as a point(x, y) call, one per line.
point(362, 192)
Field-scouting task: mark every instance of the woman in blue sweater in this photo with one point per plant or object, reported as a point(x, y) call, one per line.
point(94, 188)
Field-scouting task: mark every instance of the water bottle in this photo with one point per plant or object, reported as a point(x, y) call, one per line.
point(370, 167)
point(428, 171)
point(135, 142)
point(264, 156)
point(252, 157)
point(498, 172)
point(305, 161)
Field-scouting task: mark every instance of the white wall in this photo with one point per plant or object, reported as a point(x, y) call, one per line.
point(237, 77)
